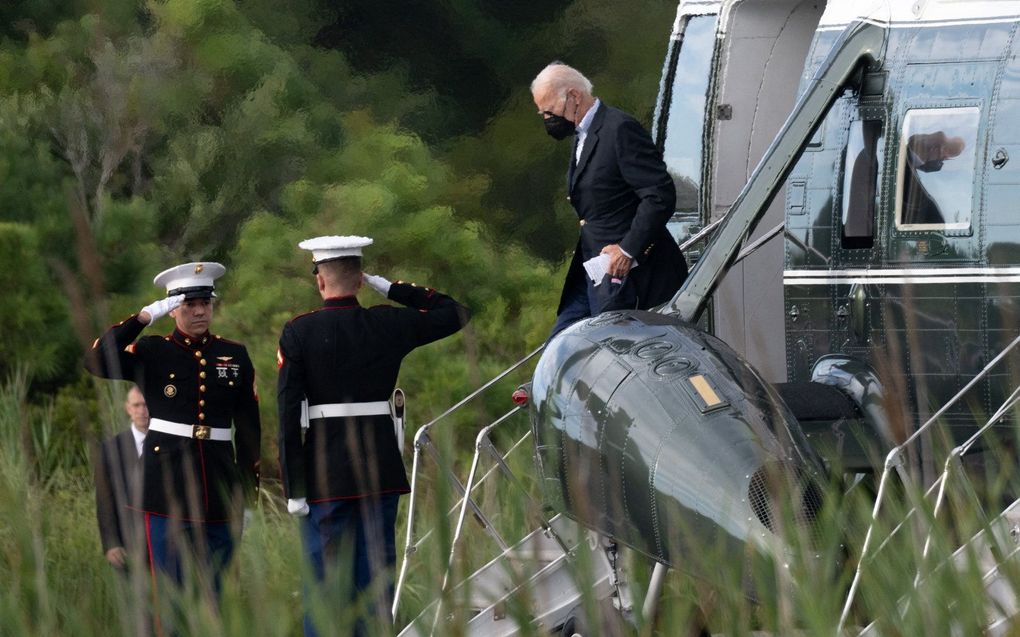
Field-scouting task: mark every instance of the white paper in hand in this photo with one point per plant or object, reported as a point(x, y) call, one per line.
point(597, 268)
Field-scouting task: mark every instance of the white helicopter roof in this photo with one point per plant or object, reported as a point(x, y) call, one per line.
point(902, 13)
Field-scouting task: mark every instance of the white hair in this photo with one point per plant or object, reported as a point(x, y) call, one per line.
point(561, 77)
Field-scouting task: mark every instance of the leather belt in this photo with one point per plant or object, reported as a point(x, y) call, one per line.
point(198, 432)
point(343, 410)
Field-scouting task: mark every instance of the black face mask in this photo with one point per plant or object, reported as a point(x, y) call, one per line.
point(559, 127)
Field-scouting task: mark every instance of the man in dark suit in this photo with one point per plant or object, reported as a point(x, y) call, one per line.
point(623, 197)
point(345, 473)
point(119, 488)
point(197, 471)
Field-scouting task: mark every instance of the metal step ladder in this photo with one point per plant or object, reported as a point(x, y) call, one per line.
point(993, 550)
point(537, 574)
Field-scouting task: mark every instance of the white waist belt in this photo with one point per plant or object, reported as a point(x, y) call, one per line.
point(198, 432)
point(341, 410)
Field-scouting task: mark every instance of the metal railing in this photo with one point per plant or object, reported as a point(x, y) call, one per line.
point(423, 443)
point(895, 460)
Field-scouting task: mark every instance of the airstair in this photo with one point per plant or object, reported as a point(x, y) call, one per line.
point(994, 550)
point(532, 581)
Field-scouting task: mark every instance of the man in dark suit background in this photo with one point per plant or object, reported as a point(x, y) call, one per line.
point(119, 487)
point(623, 196)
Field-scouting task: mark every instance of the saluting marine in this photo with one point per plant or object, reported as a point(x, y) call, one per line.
point(196, 385)
point(345, 473)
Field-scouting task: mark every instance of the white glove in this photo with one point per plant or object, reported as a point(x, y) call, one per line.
point(159, 309)
point(378, 283)
point(298, 507)
point(246, 520)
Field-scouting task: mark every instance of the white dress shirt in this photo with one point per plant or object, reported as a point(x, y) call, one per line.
point(582, 128)
point(139, 439)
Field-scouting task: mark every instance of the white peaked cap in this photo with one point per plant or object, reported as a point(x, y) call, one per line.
point(334, 247)
point(194, 280)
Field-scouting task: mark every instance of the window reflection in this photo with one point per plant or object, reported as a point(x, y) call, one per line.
point(860, 180)
point(685, 123)
point(936, 168)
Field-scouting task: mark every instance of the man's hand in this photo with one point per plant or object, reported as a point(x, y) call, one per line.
point(619, 262)
point(117, 557)
point(377, 283)
point(159, 309)
point(298, 507)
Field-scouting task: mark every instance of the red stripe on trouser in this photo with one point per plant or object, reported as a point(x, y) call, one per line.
point(152, 570)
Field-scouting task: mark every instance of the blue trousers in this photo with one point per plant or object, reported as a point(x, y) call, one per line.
point(584, 299)
point(205, 547)
point(352, 543)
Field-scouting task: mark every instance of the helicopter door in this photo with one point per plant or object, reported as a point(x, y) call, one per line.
point(833, 206)
point(856, 323)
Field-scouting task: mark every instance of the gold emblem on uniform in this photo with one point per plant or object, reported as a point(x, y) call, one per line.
point(198, 268)
point(169, 391)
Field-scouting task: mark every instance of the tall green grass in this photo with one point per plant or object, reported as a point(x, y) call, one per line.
point(55, 581)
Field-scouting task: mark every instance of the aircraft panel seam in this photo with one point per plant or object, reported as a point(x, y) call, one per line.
point(875, 272)
point(899, 280)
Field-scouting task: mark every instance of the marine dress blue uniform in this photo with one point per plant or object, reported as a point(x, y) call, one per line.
point(195, 474)
point(344, 359)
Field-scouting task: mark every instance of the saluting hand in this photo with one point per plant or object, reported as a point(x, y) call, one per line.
point(160, 308)
point(377, 283)
point(619, 262)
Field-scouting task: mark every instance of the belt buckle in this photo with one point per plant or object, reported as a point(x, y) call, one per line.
point(201, 432)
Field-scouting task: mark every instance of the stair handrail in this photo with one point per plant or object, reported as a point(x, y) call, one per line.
point(894, 460)
point(421, 441)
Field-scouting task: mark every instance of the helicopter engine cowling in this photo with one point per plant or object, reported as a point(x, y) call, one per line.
point(659, 435)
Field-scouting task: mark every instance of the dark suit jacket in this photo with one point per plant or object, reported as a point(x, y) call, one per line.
point(119, 494)
point(918, 204)
point(346, 353)
point(622, 194)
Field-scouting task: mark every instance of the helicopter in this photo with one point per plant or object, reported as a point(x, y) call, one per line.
point(857, 289)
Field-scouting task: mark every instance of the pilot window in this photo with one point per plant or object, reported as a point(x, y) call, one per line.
point(860, 181)
point(936, 172)
point(685, 117)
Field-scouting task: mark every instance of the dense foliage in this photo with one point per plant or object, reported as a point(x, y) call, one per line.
point(137, 135)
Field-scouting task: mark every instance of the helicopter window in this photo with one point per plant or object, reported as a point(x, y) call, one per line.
point(860, 179)
point(685, 118)
point(935, 174)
